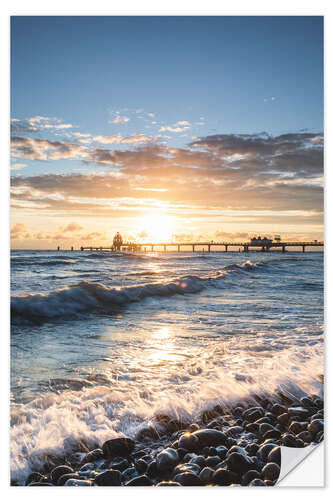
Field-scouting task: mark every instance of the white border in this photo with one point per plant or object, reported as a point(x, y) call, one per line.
point(134, 7)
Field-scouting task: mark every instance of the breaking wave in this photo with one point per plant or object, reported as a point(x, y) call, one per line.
point(87, 297)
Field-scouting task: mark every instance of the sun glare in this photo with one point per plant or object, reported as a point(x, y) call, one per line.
point(155, 228)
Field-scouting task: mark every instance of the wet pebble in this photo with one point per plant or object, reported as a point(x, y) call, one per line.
point(187, 479)
point(118, 447)
point(249, 476)
point(275, 455)
point(316, 426)
point(93, 455)
point(77, 482)
point(109, 478)
point(224, 477)
point(188, 441)
point(239, 462)
point(142, 480)
point(264, 450)
point(60, 471)
point(210, 437)
point(62, 479)
point(167, 459)
point(257, 482)
point(206, 475)
point(271, 471)
point(212, 461)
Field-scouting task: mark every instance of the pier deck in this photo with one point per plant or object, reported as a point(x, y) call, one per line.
point(178, 246)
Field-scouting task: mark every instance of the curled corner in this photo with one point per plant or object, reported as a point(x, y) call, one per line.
point(292, 457)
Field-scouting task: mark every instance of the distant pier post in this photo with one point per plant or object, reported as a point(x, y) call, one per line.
point(193, 248)
point(58, 248)
point(303, 247)
point(225, 248)
point(283, 248)
point(81, 249)
point(208, 248)
point(72, 248)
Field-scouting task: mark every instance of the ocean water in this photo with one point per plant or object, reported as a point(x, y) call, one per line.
point(103, 342)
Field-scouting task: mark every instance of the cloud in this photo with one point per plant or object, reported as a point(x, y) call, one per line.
point(38, 124)
point(257, 175)
point(120, 119)
point(44, 149)
point(177, 127)
point(119, 139)
point(72, 227)
point(19, 231)
point(17, 166)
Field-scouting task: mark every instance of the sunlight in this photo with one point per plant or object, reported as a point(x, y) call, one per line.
point(163, 333)
point(155, 228)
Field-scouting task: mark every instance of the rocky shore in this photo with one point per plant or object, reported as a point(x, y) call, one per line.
point(226, 446)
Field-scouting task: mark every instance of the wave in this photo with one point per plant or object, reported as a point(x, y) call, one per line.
point(87, 297)
point(42, 262)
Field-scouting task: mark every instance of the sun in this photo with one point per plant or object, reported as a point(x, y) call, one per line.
point(155, 228)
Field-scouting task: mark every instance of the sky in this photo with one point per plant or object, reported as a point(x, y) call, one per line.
point(165, 129)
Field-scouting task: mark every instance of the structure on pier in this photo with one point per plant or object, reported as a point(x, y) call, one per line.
point(117, 242)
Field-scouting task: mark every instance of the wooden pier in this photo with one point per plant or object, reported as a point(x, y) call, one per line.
point(178, 246)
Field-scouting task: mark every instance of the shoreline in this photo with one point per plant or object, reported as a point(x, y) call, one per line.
point(236, 444)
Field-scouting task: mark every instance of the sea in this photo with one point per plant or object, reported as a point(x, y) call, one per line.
point(103, 342)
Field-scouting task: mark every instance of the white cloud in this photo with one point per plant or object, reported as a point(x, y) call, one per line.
point(120, 119)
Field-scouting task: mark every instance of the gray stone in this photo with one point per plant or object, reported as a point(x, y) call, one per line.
point(167, 459)
point(109, 478)
point(122, 446)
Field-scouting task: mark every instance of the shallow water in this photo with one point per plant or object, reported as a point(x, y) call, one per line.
point(101, 342)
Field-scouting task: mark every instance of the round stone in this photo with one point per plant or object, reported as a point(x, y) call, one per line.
point(109, 478)
point(206, 475)
point(139, 481)
point(316, 426)
point(224, 477)
point(188, 441)
point(167, 459)
point(264, 450)
point(239, 462)
point(249, 476)
point(257, 482)
point(271, 471)
point(187, 479)
point(59, 471)
point(62, 479)
point(297, 427)
point(77, 482)
point(118, 447)
point(210, 437)
point(93, 456)
point(275, 455)
point(212, 461)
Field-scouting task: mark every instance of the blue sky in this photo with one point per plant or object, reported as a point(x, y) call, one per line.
point(170, 80)
point(222, 68)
